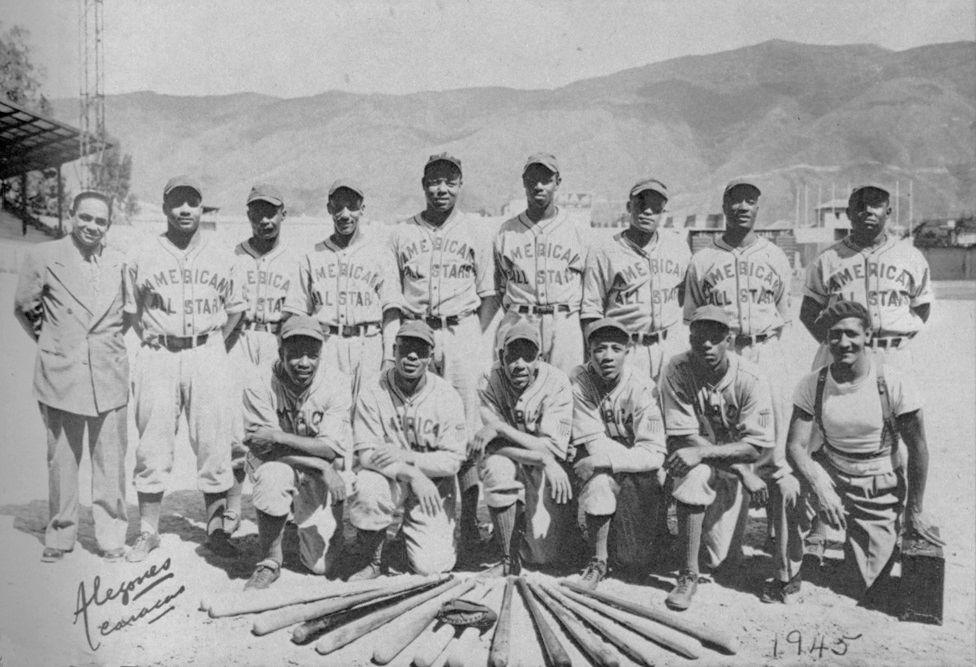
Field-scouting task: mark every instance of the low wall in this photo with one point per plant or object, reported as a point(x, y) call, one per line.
point(951, 263)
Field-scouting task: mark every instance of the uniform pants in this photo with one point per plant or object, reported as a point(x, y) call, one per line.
point(253, 352)
point(194, 381)
point(562, 338)
point(281, 489)
point(648, 361)
point(359, 357)
point(107, 434)
point(769, 357)
point(872, 508)
point(726, 509)
point(429, 539)
point(551, 533)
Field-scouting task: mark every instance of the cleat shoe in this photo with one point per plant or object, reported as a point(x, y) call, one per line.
point(145, 543)
point(265, 574)
point(113, 555)
point(593, 574)
point(813, 551)
point(680, 596)
point(220, 545)
point(780, 591)
point(511, 565)
point(52, 554)
point(371, 571)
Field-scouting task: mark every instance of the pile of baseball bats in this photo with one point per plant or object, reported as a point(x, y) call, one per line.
point(405, 607)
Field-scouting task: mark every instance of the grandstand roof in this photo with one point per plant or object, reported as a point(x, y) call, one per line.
point(30, 141)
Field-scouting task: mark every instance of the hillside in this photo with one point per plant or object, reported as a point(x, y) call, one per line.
point(786, 113)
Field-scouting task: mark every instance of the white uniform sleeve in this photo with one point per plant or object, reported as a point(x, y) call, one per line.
point(679, 409)
point(814, 286)
point(594, 286)
point(756, 413)
point(694, 296)
point(557, 418)
point(451, 439)
point(299, 299)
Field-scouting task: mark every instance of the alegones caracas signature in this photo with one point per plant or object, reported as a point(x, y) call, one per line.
point(126, 592)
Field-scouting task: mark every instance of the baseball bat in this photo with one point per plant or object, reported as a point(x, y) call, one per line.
point(603, 627)
point(439, 639)
point(593, 647)
point(277, 619)
point(553, 650)
point(350, 632)
point(501, 641)
point(717, 639)
point(661, 635)
point(252, 602)
point(401, 632)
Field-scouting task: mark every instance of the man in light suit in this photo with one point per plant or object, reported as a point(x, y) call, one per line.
point(69, 299)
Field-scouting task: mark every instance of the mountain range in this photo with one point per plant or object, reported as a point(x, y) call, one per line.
point(800, 119)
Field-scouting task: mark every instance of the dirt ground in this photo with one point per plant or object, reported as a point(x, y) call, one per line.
point(38, 602)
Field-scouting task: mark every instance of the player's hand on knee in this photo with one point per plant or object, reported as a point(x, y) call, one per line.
point(588, 466)
point(335, 484)
point(427, 496)
point(680, 461)
point(758, 492)
point(477, 444)
point(831, 508)
point(386, 456)
point(562, 490)
point(789, 489)
point(260, 440)
point(919, 523)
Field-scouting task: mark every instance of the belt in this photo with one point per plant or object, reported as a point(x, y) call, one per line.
point(642, 338)
point(441, 322)
point(544, 310)
point(742, 340)
point(352, 330)
point(177, 343)
point(270, 327)
point(889, 342)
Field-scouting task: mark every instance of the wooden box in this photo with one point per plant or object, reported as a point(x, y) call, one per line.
point(922, 581)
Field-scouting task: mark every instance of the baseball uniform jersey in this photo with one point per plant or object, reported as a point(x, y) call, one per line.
point(539, 276)
point(322, 409)
point(183, 297)
point(266, 280)
point(429, 423)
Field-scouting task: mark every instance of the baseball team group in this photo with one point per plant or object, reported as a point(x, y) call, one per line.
point(382, 392)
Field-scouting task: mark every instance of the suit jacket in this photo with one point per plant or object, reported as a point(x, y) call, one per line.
point(82, 365)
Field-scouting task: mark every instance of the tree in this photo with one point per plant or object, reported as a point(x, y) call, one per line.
point(20, 79)
point(113, 175)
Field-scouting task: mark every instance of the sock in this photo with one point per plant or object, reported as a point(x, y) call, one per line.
point(469, 515)
point(150, 505)
point(690, 520)
point(271, 531)
point(216, 503)
point(597, 532)
point(235, 492)
point(504, 520)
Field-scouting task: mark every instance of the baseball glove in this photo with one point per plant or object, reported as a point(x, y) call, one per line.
point(466, 614)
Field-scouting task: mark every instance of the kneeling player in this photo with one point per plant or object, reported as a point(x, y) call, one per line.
point(410, 436)
point(719, 418)
point(619, 434)
point(297, 424)
point(856, 482)
point(527, 410)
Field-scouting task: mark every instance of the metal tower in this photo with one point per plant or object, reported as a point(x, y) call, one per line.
point(92, 88)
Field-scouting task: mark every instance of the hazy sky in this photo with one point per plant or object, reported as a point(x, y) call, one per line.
point(304, 47)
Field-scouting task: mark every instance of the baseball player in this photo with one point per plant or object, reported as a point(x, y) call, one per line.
point(749, 277)
point(185, 296)
point(344, 283)
point(539, 262)
point(527, 410)
point(444, 258)
point(296, 415)
point(265, 267)
point(861, 406)
point(888, 276)
point(410, 436)
point(638, 278)
point(619, 438)
point(69, 299)
point(719, 418)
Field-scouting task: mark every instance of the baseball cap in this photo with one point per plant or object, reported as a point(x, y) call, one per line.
point(651, 184)
point(711, 314)
point(265, 192)
point(443, 157)
point(183, 182)
point(605, 323)
point(547, 160)
point(416, 329)
point(873, 188)
point(737, 182)
point(302, 325)
point(340, 183)
point(841, 310)
point(522, 331)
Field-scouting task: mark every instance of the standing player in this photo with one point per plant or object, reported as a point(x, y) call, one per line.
point(638, 278)
point(446, 269)
point(410, 437)
point(265, 268)
point(69, 299)
point(539, 262)
point(619, 436)
point(718, 418)
point(344, 284)
point(527, 409)
point(297, 422)
point(185, 296)
point(749, 278)
point(888, 276)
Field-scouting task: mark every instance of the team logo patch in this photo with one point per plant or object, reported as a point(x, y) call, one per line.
point(765, 418)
